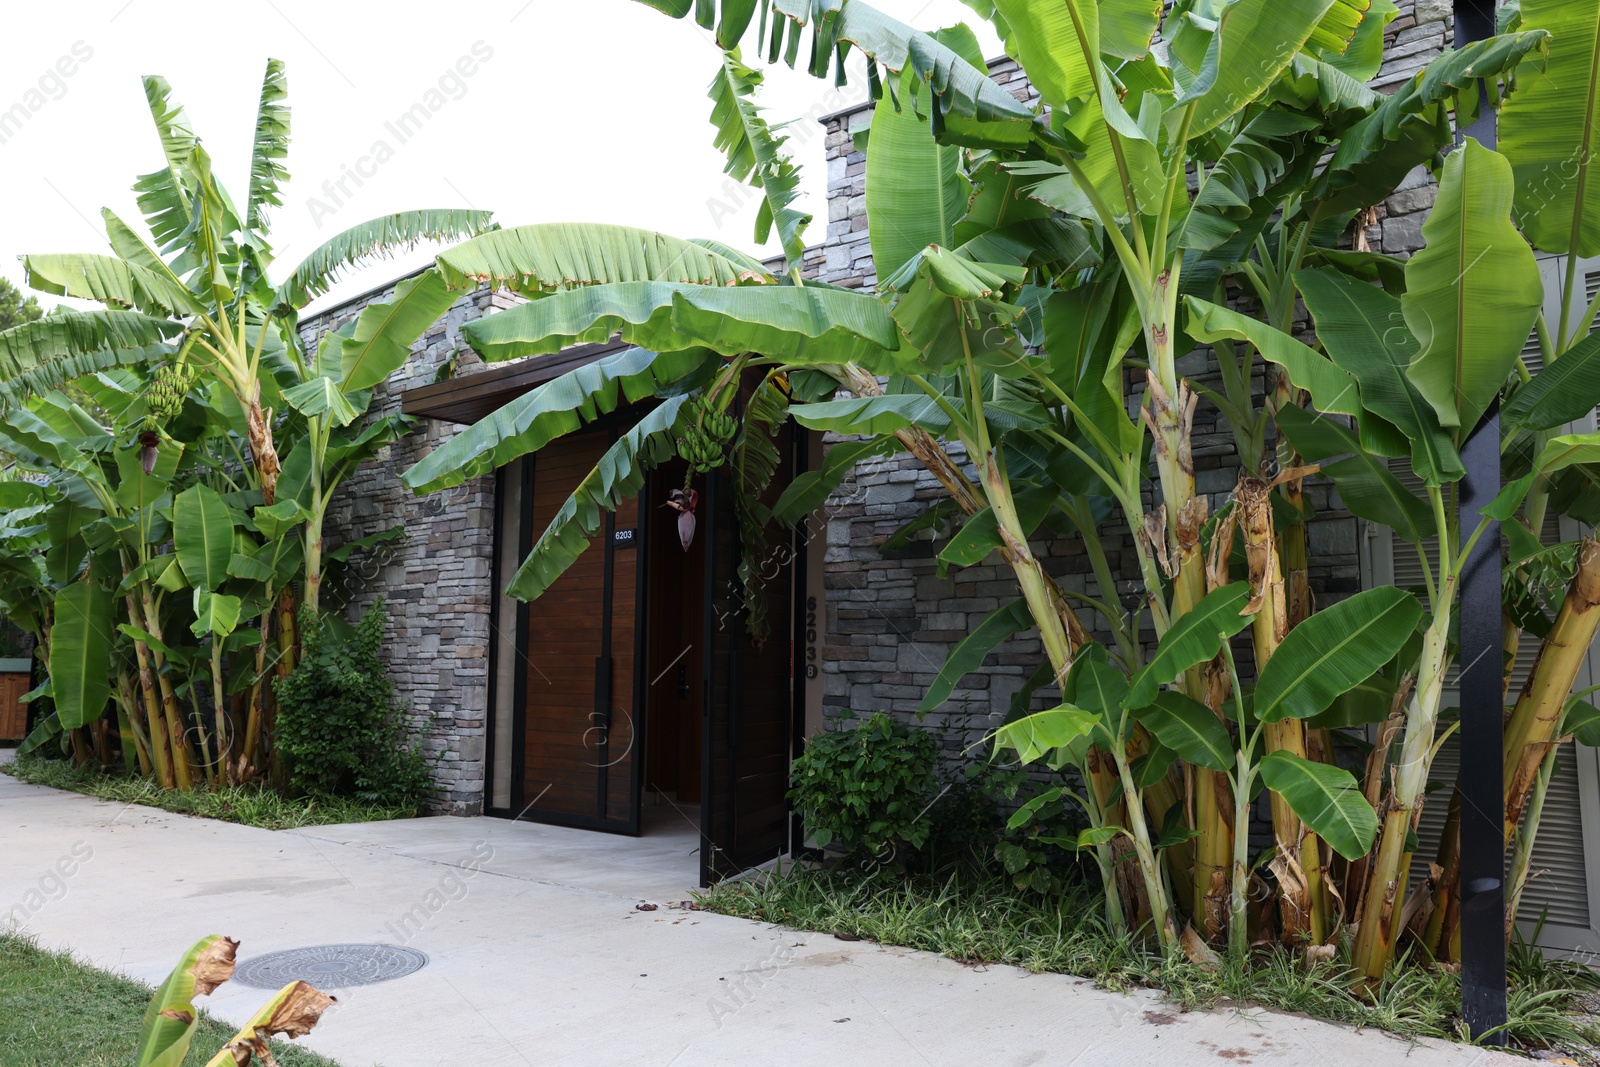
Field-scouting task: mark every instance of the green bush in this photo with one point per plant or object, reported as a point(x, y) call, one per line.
point(971, 827)
point(339, 727)
point(865, 787)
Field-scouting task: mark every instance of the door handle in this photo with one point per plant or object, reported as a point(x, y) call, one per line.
point(683, 681)
point(602, 692)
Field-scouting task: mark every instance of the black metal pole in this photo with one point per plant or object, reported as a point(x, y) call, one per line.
point(1483, 891)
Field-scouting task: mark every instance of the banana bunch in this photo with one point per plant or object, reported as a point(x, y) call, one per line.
point(164, 397)
point(703, 437)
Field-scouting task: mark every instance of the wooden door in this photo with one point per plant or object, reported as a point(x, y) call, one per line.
point(750, 689)
point(13, 713)
point(579, 765)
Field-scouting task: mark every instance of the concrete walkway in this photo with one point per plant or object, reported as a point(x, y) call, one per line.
point(539, 956)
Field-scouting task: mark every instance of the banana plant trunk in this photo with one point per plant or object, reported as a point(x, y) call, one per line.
point(161, 751)
point(258, 428)
point(1530, 732)
point(1532, 729)
point(1298, 863)
point(1216, 814)
point(1385, 884)
point(183, 761)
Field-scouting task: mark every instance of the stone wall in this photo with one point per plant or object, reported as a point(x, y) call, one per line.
point(436, 578)
point(893, 618)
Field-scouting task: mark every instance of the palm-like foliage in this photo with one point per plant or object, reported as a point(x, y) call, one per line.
point(192, 381)
point(1030, 262)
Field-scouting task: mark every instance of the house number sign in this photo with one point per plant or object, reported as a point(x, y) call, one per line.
point(811, 637)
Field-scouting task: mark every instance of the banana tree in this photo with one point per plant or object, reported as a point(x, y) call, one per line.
point(201, 282)
point(222, 378)
point(1023, 258)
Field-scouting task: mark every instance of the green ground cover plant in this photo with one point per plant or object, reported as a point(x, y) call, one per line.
point(58, 1012)
point(979, 917)
point(252, 805)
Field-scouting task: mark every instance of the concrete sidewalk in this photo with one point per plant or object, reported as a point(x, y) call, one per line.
point(551, 964)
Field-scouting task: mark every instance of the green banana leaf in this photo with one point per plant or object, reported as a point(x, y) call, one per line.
point(1193, 639)
point(1189, 728)
point(78, 333)
point(1334, 650)
point(80, 651)
point(44, 731)
point(202, 531)
point(1564, 391)
point(1254, 42)
point(808, 490)
point(1411, 125)
point(1045, 732)
point(269, 147)
point(1364, 332)
point(1547, 130)
point(558, 407)
point(1366, 484)
point(381, 342)
point(967, 656)
point(1473, 292)
point(1093, 121)
point(874, 414)
point(1363, 56)
point(980, 533)
point(798, 326)
point(1328, 799)
point(968, 108)
point(379, 238)
point(214, 613)
point(756, 155)
point(554, 256)
point(109, 280)
point(1058, 44)
point(1580, 450)
point(619, 474)
point(915, 191)
point(321, 396)
point(1333, 391)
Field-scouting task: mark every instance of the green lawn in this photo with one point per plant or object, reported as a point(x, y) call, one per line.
point(252, 805)
point(57, 1012)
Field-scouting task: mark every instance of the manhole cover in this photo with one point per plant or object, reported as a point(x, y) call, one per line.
point(329, 966)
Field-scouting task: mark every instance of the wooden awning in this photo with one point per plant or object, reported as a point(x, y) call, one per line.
point(472, 396)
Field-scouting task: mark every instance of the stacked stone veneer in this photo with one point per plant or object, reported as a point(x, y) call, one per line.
point(436, 578)
point(893, 618)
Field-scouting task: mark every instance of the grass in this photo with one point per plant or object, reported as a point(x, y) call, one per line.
point(252, 805)
point(55, 1011)
point(978, 919)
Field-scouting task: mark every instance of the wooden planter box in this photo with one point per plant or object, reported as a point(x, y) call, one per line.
point(14, 681)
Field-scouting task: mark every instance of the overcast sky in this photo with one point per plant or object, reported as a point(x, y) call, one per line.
point(539, 110)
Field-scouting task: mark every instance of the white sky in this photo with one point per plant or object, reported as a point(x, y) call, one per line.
point(587, 110)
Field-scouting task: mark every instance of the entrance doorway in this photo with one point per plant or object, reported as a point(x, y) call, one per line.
point(674, 649)
point(634, 693)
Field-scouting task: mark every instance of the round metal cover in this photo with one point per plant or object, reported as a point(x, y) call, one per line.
point(329, 966)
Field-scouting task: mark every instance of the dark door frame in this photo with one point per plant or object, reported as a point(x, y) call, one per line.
point(795, 620)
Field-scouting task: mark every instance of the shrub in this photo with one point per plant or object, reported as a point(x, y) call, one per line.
point(339, 727)
point(865, 786)
point(971, 826)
